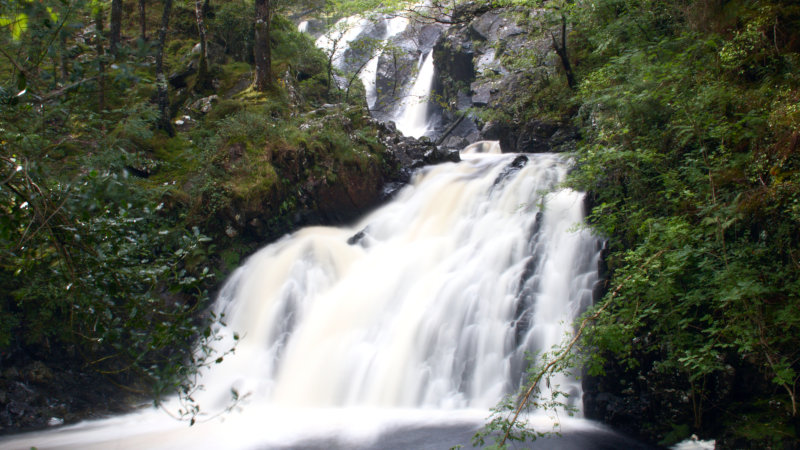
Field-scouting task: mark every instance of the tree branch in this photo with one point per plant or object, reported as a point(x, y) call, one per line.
point(525, 398)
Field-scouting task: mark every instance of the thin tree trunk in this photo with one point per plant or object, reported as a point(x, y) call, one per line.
point(561, 50)
point(262, 52)
point(116, 26)
point(162, 95)
point(101, 63)
point(203, 78)
point(62, 62)
point(142, 20)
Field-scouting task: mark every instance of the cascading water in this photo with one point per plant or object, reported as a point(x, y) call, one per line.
point(397, 332)
point(368, 76)
point(337, 41)
point(412, 114)
point(410, 111)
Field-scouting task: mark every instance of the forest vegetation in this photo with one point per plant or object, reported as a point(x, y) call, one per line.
point(146, 147)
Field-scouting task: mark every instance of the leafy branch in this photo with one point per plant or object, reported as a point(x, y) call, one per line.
point(561, 361)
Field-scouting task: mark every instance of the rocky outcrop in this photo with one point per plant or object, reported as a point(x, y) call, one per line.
point(326, 182)
point(534, 136)
point(398, 64)
point(34, 395)
point(407, 154)
point(478, 79)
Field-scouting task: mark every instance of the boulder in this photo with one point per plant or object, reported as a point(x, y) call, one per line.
point(203, 105)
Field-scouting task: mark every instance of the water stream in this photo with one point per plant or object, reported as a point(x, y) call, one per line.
point(400, 331)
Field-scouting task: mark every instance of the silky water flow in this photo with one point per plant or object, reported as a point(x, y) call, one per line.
point(401, 331)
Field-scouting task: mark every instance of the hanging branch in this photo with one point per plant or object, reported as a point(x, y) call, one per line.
point(525, 398)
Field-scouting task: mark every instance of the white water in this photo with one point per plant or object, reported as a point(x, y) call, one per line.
point(303, 26)
point(412, 114)
point(368, 76)
point(422, 320)
point(336, 42)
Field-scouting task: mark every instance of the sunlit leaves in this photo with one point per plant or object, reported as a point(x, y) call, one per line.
point(16, 24)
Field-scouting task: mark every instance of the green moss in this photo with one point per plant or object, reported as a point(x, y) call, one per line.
point(232, 74)
point(223, 109)
point(256, 183)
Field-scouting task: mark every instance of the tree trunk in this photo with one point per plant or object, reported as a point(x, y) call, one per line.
point(561, 50)
point(162, 96)
point(116, 26)
point(142, 20)
point(101, 63)
point(203, 82)
point(262, 52)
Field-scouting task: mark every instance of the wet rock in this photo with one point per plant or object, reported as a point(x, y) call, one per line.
point(494, 26)
point(398, 63)
point(481, 94)
point(518, 163)
point(406, 154)
point(455, 142)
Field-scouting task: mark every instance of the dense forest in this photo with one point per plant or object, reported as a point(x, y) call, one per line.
point(147, 147)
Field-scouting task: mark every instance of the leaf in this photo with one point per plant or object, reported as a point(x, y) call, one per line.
point(53, 14)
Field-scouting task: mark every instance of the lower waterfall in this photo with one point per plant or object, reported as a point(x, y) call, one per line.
point(400, 331)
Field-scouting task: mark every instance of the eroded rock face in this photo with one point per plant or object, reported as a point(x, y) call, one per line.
point(474, 59)
point(398, 64)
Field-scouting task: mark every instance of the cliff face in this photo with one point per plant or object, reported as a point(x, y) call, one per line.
point(482, 88)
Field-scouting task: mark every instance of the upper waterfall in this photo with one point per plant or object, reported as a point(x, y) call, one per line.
point(412, 113)
point(378, 50)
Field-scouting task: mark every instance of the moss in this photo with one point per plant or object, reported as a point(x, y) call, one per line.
point(255, 181)
point(230, 75)
point(223, 109)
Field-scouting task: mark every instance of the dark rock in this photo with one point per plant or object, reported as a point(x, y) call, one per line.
point(481, 94)
point(536, 136)
point(38, 373)
point(465, 12)
point(494, 130)
point(178, 79)
point(455, 142)
point(494, 26)
point(357, 239)
point(518, 163)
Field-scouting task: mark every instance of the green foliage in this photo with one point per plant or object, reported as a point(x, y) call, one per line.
point(232, 27)
point(92, 264)
point(686, 155)
point(691, 156)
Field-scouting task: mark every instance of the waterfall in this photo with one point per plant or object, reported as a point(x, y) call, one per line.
point(368, 76)
point(419, 317)
point(338, 39)
point(411, 111)
point(412, 114)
